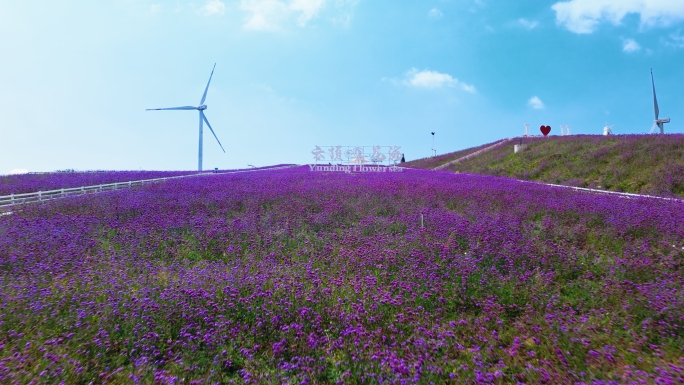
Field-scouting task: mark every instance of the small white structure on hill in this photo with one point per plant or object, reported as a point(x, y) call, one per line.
point(519, 147)
point(565, 130)
point(607, 130)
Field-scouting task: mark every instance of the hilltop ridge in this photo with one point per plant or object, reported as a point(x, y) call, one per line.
point(644, 164)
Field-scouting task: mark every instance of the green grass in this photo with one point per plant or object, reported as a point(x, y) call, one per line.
point(432, 162)
point(645, 164)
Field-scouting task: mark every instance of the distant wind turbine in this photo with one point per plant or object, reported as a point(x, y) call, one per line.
point(202, 118)
point(658, 122)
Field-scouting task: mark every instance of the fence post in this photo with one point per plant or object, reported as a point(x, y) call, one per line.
point(12, 198)
point(40, 195)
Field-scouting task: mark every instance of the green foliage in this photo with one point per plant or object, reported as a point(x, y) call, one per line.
point(644, 164)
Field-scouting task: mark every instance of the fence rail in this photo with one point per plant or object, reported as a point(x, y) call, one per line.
point(40, 196)
point(15, 199)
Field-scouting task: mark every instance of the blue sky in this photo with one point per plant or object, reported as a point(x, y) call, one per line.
point(76, 76)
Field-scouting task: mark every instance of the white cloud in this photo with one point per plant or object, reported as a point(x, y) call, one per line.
point(583, 16)
point(536, 103)
point(307, 8)
point(212, 7)
point(269, 15)
point(265, 15)
point(429, 79)
point(527, 24)
point(432, 79)
point(155, 8)
point(468, 88)
point(18, 171)
point(629, 46)
point(435, 13)
point(676, 40)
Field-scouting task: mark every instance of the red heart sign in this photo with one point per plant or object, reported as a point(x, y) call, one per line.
point(545, 130)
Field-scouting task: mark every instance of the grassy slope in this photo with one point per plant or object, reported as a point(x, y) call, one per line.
point(432, 162)
point(647, 164)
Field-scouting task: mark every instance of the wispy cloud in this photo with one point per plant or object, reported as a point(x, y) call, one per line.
point(155, 8)
point(527, 24)
point(629, 46)
point(584, 16)
point(270, 15)
point(431, 79)
point(264, 15)
point(435, 13)
point(344, 10)
point(468, 88)
point(307, 9)
point(536, 103)
point(676, 40)
point(212, 7)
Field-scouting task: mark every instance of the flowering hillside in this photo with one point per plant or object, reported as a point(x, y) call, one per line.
point(24, 183)
point(299, 277)
point(646, 164)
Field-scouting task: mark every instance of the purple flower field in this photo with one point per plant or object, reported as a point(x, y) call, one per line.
point(18, 184)
point(25, 183)
point(302, 277)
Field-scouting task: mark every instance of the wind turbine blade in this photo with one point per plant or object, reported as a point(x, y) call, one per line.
point(206, 89)
point(655, 100)
point(172, 108)
point(212, 130)
point(653, 127)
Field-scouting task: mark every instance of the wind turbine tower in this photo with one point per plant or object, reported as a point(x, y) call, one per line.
point(658, 122)
point(607, 130)
point(527, 129)
point(202, 118)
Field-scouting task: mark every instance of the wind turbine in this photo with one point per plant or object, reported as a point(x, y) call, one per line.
point(658, 122)
point(202, 119)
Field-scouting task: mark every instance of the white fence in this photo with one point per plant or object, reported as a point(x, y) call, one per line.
point(597, 191)
point(16, 199)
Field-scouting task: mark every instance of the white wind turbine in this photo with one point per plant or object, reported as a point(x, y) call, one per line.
point(608, 130)
point(202, 119)
point(658, 122)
